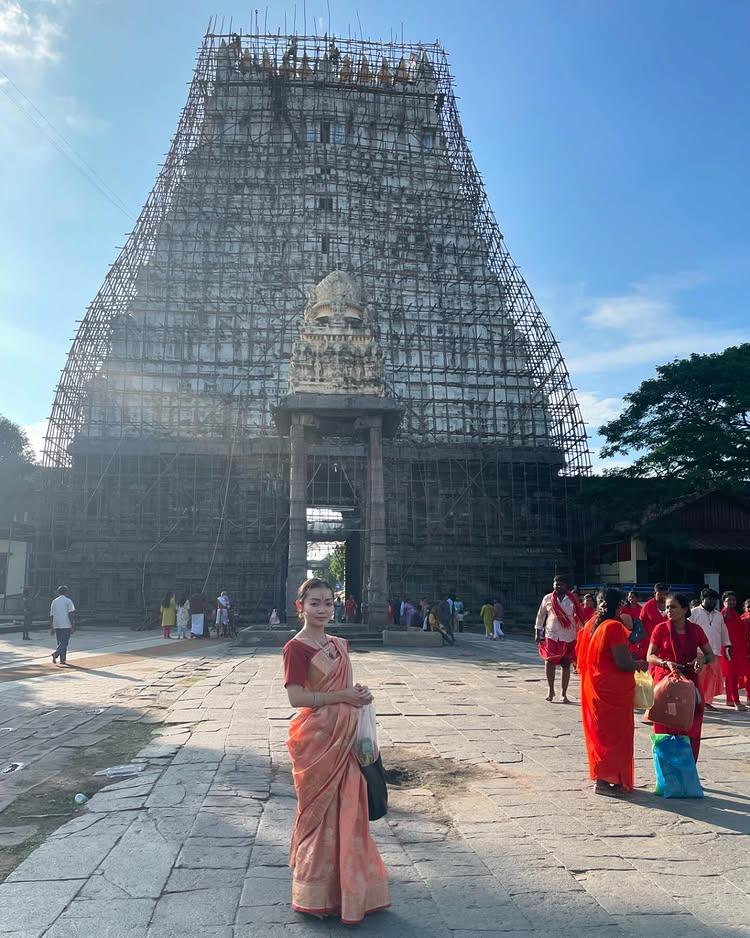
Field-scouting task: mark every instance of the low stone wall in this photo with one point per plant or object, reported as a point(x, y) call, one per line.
point(276, 638)
point(412, 639)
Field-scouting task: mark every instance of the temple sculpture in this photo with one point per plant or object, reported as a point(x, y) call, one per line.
point(337, 352)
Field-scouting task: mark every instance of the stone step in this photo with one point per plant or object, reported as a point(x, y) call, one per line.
point(276, 636)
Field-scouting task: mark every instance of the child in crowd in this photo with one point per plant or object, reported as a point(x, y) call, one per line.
point(168, 613)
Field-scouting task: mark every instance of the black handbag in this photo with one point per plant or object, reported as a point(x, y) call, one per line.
point(377, 790)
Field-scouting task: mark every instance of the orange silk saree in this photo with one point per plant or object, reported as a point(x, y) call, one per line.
point(336, 865)
point(607, 706)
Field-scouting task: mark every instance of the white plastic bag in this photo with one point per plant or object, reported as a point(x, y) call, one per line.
point(366, 739)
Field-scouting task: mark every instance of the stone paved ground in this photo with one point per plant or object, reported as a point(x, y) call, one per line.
point(496, 831)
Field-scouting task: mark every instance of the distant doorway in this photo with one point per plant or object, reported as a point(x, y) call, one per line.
point(334, 549)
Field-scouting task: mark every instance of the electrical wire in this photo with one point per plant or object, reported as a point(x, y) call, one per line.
point(83, 166)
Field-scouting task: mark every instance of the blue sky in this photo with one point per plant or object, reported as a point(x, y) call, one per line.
point(612, 136)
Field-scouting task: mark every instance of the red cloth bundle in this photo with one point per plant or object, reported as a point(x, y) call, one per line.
point(674, 703)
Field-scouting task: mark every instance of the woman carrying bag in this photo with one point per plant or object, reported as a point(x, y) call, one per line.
point(673, 651)
point(337, 869)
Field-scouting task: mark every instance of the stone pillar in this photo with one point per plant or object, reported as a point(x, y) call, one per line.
point(378, 599)
point(297, 566)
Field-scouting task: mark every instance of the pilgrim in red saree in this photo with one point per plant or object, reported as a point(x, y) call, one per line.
point(336, 866)
point(670, 645)
point(606, 704)
point(735, 671)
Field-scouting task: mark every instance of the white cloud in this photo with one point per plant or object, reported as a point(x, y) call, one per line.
point(599, 466)
point(28, 34)
point(648, 304)
point(683, 338)
point(77, 118)
point(641, 327)
point(634, 316)
point(597, 410)
point(36, 432)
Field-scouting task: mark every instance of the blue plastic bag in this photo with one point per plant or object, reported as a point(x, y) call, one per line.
point(674, 766)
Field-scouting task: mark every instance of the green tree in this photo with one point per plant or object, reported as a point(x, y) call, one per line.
point(14, 444)
point(16, 465)
point(336, 563)
point(690, 423)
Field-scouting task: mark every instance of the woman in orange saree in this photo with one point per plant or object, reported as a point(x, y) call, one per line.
point(607, 688)
point(336, 866)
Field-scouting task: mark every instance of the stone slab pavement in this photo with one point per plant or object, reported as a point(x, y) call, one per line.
point(85, 642)
point(494, 831)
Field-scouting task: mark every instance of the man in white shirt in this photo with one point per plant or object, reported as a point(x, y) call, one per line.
point(556, 629)
point(710, 619)
point(62, 619)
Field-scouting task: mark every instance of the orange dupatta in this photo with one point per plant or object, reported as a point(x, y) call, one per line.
point(607, 706)
point(336, 865)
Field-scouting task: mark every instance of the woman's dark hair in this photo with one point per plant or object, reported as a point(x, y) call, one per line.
point(727, 594)
point(611, 599)
point(167, 598)
point(313, 583)
point(681, 600)
point(660, 587)
point(184, 597)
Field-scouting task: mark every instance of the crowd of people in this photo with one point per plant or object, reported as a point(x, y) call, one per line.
point(192, 615)
point(445, 616)
point(611, 636)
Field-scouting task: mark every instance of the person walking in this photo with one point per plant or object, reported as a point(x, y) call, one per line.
point(336, 866)
point(735, 667)
point(710, 619)
point(28, 613)
point(487, 614)
point(673, 649)
point(273, 619)
point(198, 604)
point(350, 609)
point(62, 621)
point(607, 687)
point(168, 613)
point(498, 615)
point(182, 616)
point(557, 621)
